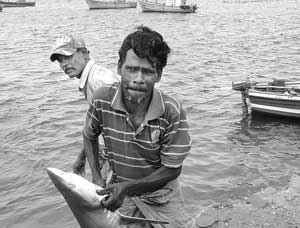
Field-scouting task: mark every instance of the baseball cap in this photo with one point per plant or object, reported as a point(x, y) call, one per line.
point(66, 45)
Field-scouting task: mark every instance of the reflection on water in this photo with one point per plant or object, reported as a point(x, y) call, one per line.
point(269, 149)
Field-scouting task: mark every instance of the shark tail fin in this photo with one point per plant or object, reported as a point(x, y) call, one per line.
point(129, 219)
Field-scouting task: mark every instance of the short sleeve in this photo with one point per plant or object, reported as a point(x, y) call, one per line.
point(176, 142)
point(93, 122)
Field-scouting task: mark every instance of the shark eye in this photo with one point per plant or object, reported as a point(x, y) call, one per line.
point(72, 186)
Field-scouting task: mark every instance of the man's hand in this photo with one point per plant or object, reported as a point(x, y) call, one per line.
point(98, 181)
point(116, 194)
point(79, 164)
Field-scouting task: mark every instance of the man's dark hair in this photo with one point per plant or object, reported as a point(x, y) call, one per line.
point(146, 43)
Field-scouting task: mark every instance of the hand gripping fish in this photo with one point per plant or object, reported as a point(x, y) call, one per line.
point(80, 194)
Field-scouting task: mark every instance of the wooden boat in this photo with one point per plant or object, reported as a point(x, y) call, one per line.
point(277, 98)
point(171, 6)
point(16, 3)
point(110, 4)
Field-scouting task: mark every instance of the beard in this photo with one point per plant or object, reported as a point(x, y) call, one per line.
point(135, 100)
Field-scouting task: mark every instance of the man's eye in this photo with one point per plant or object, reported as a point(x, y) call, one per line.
point(148, 71)
point(131, 69)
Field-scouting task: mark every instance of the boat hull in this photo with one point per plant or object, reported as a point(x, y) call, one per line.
point(16, 4)
point(94, 4)
point(274, 103)
point(161, 8)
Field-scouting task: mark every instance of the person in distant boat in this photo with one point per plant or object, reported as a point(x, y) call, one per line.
point(145, 132)
point(73, 57)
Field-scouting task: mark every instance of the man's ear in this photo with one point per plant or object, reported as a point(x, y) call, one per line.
point(85, 54)
point(119, 68)
point(159, 73)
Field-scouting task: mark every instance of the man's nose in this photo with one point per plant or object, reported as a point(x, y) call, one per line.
point(63, 64)
point(139, 77)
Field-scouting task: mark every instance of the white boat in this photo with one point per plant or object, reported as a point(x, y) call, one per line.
point(110, 4)
point(16, 3)
point(169, 6)
point(277, 98)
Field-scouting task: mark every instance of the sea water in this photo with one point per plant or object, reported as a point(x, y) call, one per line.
point(232, 156)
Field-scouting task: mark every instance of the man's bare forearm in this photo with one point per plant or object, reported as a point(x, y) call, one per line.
point(82, 154)
point(153, 182)
point(91, 148)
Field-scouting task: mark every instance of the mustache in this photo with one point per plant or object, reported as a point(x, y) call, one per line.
point(137, 88)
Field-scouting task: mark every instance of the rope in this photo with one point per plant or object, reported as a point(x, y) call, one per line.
point(212, 100)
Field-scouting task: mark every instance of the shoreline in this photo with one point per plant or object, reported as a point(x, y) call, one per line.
point(269, 208)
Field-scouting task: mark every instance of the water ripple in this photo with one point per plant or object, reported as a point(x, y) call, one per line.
point(232, 156)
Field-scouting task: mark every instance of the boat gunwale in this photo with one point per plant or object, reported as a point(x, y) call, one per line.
point(272, 95)
point(275, 110)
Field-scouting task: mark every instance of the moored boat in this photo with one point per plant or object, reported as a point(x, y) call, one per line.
point(110, 4)
point(172, 6)
point(16, 3)
point(277, 98)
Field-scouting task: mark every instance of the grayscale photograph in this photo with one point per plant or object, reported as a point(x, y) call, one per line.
point(150, 113)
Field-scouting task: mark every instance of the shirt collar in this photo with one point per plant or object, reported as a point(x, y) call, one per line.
point(155, 110)
point(85, 74)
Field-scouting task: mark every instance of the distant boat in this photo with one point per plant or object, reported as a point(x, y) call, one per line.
point(1, 8)
point(16, 3)
point(279, 97)
point(110, 4)
point(168, 6)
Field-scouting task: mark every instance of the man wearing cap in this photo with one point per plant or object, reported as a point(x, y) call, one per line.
point(73, 58)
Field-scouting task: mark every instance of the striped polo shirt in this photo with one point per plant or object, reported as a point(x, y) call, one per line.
point(161, 140)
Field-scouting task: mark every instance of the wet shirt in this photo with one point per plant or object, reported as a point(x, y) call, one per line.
point(161, 140)
point(94, 76)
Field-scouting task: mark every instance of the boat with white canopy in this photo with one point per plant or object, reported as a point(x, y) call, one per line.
point(167, 6)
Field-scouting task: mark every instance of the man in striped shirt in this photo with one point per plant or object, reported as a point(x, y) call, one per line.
point(145, 133)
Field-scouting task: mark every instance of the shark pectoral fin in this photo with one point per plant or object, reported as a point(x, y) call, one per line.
point(129, 219)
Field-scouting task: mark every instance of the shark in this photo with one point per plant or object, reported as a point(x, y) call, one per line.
point(80, 195)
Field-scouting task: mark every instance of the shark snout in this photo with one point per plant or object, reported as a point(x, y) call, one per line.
point(54, 173)
point(58, 178)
